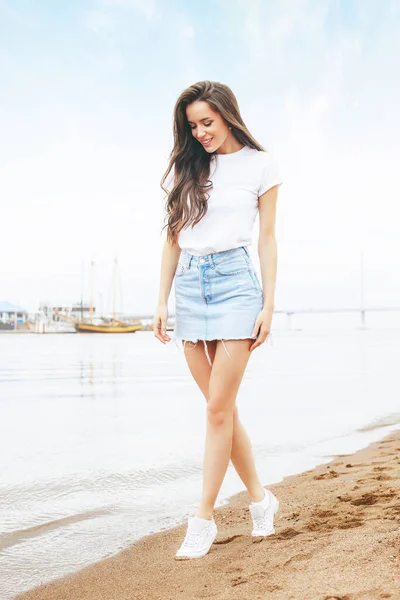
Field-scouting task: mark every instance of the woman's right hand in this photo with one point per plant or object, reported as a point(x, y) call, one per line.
point(160, 323)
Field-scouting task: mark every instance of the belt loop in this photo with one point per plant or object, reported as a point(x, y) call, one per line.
point(246, 251)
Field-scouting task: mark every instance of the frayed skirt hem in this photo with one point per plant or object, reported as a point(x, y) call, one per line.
point(176, 339)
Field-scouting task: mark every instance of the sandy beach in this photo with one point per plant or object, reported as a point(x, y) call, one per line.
point(337, 536)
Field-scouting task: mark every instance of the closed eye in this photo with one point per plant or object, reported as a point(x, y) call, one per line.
point(206, 124)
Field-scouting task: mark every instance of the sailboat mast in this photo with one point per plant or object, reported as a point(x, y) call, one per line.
point(82, 276)
point(114, 287)
point(91, 291)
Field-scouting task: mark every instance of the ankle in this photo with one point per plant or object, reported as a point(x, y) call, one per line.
point(258, 494)
point(204, 514)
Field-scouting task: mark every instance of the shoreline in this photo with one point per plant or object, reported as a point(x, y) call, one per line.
point(337, 534)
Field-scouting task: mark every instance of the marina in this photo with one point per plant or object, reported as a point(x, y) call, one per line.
point(79, 318)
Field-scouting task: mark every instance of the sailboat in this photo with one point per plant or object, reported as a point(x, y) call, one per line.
point(108, 326)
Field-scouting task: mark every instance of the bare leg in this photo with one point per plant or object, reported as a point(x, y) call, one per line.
point(243, 460)
point(226, 436)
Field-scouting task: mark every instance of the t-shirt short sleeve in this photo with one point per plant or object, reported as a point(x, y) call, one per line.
point(270, 175)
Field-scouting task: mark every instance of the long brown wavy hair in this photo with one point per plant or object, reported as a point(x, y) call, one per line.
point(191, 161)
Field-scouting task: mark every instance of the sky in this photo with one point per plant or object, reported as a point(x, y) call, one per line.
point(87, 91)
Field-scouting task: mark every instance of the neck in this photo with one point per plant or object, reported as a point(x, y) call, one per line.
point(229, 145)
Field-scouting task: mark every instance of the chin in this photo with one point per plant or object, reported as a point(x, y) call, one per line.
point(211, 151)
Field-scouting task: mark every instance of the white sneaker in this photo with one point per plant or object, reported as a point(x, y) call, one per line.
point(263, 513)
point(199, 537)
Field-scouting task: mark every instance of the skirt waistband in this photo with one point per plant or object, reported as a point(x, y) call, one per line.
point(214, 258)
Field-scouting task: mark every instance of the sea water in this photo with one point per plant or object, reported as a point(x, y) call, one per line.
point(102, 436)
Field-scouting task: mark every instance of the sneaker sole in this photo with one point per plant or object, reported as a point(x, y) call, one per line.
point(200, 555)
point(275, 503)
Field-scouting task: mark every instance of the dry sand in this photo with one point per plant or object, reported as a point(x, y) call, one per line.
point(337, 537)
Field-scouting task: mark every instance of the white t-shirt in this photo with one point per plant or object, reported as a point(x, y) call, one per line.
point(238, 178)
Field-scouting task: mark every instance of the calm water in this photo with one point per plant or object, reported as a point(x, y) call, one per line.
point(102, 436)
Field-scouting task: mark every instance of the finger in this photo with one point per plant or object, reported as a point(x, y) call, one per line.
point(163, 326)
point(262, 337)
point(156, 330)
point(163, 337)
point(260, 340)
point(165, 334)
point(159, 329)
point(255, 330)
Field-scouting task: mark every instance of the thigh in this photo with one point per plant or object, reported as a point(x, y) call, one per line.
point(227, 372)
point(198, 364)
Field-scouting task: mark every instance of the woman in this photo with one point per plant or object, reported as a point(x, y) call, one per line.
point(219, 178)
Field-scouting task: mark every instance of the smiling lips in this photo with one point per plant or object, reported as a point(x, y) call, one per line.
point(207, 142)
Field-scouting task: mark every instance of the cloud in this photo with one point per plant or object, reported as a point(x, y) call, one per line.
point(187, 31)
point(110, 14)
point(88, 125)
point(98, 21)
point(146, 8)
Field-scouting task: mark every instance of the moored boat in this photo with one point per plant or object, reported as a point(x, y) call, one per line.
point(112, 325)
point(106, 328)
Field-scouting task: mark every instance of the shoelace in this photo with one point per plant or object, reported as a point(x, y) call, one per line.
point(191, 539)
point(261, 522)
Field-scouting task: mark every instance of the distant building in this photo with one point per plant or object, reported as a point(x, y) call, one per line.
point(11, 312)
point(56, 313)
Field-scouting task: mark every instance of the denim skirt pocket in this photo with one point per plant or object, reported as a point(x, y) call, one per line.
point(255, 280)
point(180, 270)
point(235, 265)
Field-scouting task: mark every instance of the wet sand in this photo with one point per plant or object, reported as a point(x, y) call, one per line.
point(337, 536)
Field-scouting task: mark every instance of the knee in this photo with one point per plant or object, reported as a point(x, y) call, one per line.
point(217, 415)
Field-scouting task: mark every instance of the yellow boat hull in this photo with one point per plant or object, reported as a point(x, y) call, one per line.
point(90, 328)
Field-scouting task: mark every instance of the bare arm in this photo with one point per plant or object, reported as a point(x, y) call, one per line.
point(268, 255)
point(169, 260)
point(267, 247)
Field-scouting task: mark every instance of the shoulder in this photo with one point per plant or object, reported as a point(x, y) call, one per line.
point(262, 160)
point(269, 173)
point(263, 157)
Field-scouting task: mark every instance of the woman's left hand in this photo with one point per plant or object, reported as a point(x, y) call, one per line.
point(262, 327)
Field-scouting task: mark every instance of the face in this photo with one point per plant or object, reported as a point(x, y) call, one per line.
point(208, 127)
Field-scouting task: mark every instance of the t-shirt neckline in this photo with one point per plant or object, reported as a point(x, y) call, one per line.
point(231, 154)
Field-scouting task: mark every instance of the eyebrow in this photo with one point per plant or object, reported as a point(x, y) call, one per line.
point(205, 119)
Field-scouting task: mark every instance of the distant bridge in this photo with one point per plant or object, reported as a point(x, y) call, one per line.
point(296, 311)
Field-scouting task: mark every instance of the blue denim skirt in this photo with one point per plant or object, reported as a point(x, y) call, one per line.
point(217, 297)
